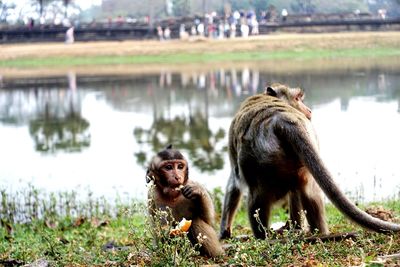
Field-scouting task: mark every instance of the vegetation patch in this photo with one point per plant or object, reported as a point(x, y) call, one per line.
point(184, 58)
point(64, 229)
point(280, 46)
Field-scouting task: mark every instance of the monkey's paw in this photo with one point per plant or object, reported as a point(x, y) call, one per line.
point(191, 192)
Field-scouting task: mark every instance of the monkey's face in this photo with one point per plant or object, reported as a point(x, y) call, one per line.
point(293, 96)
point(171, 175)
point(300, 106)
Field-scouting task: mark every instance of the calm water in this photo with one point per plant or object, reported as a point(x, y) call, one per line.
point(77, 132)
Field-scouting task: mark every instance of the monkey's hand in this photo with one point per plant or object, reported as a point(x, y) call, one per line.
point(192, 192)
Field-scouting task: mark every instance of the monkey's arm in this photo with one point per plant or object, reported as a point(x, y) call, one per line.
point(202, 200)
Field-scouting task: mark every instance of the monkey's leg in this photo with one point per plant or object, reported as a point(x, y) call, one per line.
point(233, 194)
point(259, 207)
point(203, 233)
point(313, 204)
point(295, 209)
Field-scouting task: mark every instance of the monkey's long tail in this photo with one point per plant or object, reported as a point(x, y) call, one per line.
point(303, 147)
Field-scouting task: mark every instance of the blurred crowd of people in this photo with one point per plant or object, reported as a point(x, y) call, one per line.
point(239, 23)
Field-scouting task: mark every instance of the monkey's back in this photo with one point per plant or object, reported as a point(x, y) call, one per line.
point(258, 112)
point(253, 146)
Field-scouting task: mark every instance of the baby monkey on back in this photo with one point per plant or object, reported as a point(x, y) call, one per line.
point(186, 199)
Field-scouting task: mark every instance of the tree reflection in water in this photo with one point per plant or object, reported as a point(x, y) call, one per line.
point(205, 146)
point(59, 124)
point(192, 109)
point(191, 134)
point(51, 133)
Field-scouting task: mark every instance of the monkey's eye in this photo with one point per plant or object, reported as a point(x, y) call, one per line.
point(181, 166)
point(300, 96)
point(168, 167)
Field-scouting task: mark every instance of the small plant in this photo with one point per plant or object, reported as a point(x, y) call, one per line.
point(167, 250)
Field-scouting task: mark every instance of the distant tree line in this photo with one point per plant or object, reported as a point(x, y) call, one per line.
point(36, 9)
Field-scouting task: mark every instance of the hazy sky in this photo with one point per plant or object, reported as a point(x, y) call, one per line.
point(28, 11)
point(82, 3)
point(87, 3)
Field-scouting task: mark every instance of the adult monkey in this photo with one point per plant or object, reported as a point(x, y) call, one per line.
point(273, 151)
point(187, 199)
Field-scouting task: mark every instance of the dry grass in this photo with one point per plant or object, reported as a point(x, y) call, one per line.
point(268, 43)
point(151, 47)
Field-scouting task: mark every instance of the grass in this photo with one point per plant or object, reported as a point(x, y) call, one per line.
point(279, 46)
point(304, 54)
point(63, 230)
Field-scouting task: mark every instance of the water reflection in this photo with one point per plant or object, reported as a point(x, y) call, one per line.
point(52, 132)
point(191, 134)
point(189, 130)
point(53, 115)
point(115, 123)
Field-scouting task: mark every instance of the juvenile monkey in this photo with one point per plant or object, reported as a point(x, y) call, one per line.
point(187, 199)
point(273, 151)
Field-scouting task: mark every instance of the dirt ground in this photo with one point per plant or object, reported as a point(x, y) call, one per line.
point(272, 42)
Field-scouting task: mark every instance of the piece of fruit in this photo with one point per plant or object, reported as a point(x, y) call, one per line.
point(182, 227)
point(179, 187)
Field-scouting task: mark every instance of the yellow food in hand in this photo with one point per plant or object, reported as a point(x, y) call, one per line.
point(182, 227)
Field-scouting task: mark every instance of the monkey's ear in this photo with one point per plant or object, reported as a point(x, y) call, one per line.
point(149, 176)
point(270, 91)
point(168, 146)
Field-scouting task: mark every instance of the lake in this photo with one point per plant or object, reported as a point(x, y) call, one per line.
point(97, 131)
